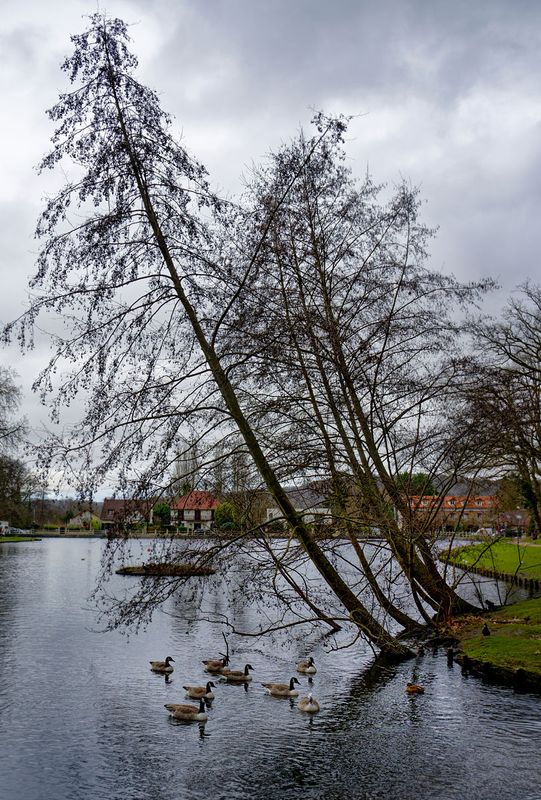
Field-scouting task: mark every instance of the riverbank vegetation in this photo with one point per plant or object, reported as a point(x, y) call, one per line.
point(4, 539)
point(297, 332)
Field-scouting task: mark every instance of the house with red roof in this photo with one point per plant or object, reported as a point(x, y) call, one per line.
point(194, 511)
point(471, 511)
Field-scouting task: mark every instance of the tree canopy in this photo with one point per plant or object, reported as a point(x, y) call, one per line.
point(225, 516)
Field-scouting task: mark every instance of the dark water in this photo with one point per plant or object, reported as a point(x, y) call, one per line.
point(82, 717)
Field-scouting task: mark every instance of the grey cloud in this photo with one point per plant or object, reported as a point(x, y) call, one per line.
point(17, 257)
point(286, 54)
point(21, 46)
point(451, 91)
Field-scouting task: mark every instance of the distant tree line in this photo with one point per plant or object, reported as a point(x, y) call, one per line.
point(16, 482)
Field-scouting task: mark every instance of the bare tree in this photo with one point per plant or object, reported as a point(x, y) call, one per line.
point(505, 398)
point(16, 481)
point(140, 278)
point(11, 429)
point(356, 350)
point(297, 334)
point(17, 486)
point(185, 470)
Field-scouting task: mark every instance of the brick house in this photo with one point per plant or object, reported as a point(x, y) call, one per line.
point(471, 511)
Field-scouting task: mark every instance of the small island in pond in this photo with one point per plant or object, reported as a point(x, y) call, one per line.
point(168, 570)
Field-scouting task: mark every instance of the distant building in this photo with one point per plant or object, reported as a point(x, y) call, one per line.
point(194, 511)
point(470, 511)
point(86, 519)
point(125, 513)
point(306, 501)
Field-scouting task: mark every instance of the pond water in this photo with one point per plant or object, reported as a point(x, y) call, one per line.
point(82, 717)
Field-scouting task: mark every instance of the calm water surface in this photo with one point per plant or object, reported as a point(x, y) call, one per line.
point(82, 717)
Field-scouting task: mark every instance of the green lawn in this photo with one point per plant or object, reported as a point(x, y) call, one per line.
point(500, 556)
point(515, 640)
point(19, 539)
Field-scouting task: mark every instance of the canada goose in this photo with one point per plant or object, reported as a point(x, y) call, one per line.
point(308, 704)
point(486, 630)
point(198, 692)
point(307, 666)
point(163, 667)
point(237, 675)
point(215, 665)
point(282, 689)
point(414, 688)
point(187, 712)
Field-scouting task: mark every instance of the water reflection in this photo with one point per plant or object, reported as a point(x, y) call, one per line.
point(82, 716)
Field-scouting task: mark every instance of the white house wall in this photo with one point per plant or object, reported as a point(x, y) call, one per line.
point(309, 515)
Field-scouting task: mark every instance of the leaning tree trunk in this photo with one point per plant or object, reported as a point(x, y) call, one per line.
point(359, 615)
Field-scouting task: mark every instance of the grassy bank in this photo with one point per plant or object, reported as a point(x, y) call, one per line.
point(502, 556)
point(512, 652)
point(19, 539)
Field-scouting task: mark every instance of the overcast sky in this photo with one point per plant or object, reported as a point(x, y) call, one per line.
point(448, 95)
